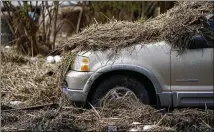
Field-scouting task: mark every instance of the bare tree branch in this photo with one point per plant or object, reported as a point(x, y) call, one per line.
point(56, 4)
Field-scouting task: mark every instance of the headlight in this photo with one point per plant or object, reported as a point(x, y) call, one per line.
point(81, 63)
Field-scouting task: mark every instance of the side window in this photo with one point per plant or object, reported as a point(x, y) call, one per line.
point(211, 22)
point(199, 41)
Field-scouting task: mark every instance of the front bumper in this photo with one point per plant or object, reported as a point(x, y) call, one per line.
point(74, 84)
point(75, 95)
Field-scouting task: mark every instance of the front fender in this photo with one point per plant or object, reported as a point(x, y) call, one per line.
point(142, 70)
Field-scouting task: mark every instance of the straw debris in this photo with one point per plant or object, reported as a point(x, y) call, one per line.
point(176, 26)
point(12, 56)
point(78, 119)
point(26, 81)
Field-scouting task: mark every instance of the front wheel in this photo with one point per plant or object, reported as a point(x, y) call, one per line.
point(117, 87)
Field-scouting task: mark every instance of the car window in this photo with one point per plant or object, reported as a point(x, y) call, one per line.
point(199, 41)
point(211, 22)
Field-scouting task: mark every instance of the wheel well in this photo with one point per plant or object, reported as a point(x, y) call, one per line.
point(140, 77)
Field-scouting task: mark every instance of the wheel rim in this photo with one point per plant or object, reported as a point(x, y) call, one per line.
point(119, 93)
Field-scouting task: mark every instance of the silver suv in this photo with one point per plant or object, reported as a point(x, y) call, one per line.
point(155, 73)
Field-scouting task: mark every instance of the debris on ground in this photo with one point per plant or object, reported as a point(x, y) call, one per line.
point(50, 59)
point(26, 81)
point(54, 59)
point(144, 117)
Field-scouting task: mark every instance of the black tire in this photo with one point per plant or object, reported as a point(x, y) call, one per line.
point(124, 81)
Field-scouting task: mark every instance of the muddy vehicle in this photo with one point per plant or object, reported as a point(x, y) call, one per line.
point(154, 73)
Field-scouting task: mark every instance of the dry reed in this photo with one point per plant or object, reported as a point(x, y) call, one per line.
point(176, 26)
point(120, 113)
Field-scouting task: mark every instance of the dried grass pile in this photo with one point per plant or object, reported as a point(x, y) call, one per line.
point(175, 26)
point(10, 55)
point(121, 113)
point(26, 81)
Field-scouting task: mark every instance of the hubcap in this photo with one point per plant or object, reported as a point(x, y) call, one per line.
point(119, 93)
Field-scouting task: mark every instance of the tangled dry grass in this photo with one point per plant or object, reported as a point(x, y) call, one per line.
point(26, 81)
point(120, 113)
point(175, 26)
